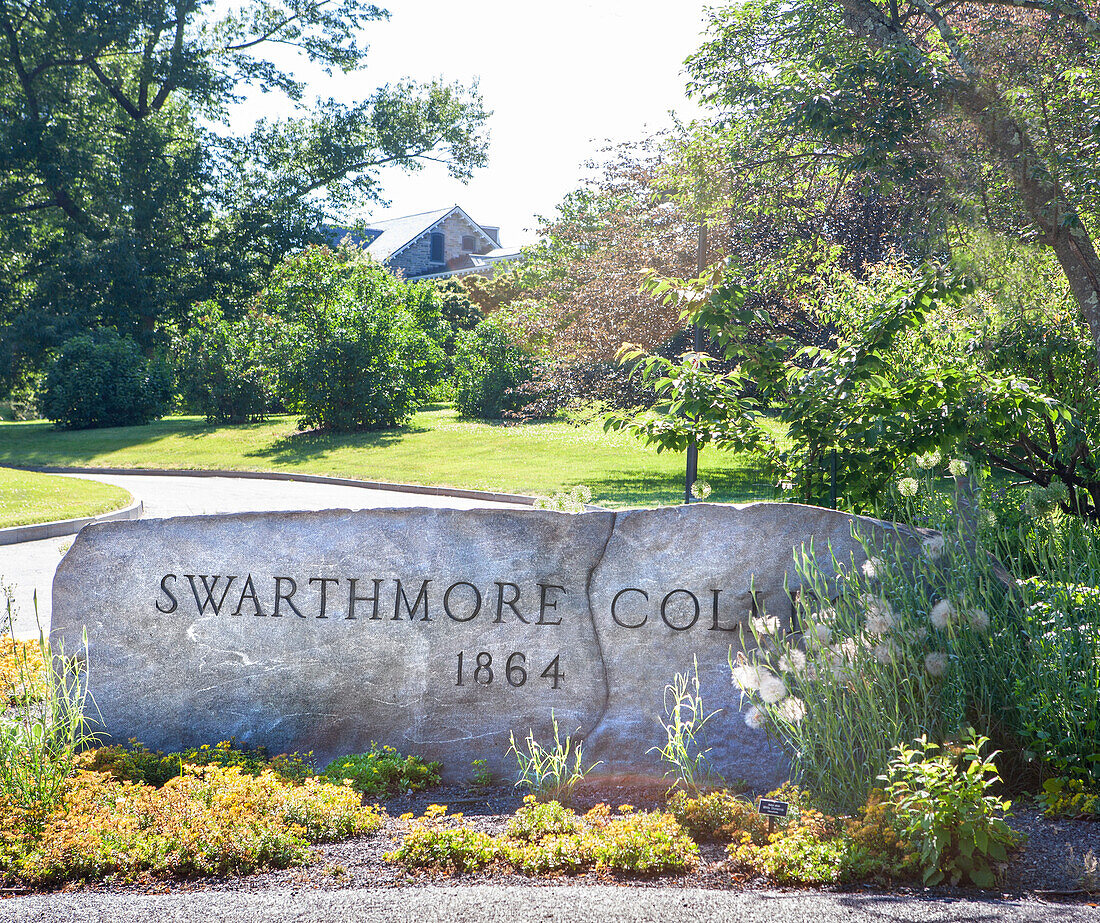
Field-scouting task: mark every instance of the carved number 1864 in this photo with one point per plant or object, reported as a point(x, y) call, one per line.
point(515, 670)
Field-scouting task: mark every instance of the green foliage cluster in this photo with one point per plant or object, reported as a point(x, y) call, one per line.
point(1069, 798)
point(354, 342)
point(225, 370)
point(945, 810)
point(210, 820)
point(808, 846)
point(1056, 699)
point(103, 379)
point(134, 762)
point(550, 839)
point(489, 367)
point(383, 771)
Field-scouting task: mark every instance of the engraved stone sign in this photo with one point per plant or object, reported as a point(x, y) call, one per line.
point(435, 631)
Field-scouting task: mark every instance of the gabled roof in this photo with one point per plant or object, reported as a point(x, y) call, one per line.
point(398, 233)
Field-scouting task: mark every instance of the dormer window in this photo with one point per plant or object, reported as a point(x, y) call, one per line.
point(436, 254)
point(469, 244)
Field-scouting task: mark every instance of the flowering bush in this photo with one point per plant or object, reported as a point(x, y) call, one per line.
point(811, 847)
point(1069, 798)
point(919, 639)
point(716, 815)
point(208, 821)
point(548, 838)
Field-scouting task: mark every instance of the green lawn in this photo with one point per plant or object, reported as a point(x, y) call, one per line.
point(435, 448)
point(27, 497)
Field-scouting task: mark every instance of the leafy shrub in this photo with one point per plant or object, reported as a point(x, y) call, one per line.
point(717, 816)
point(1056, 686)
point(383, 771)
point(208, 821)
point(547, 838)
point(811, 847)
point(946, 812)
point(103, 379)
point(550, 773)
point(488, 366)
point(1069, 798)
point(224, 370)
point(353, 351)
point(136, 763)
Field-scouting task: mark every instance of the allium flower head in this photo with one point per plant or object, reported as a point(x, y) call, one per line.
point(908, 487)
point(929, 459)
point(872, 567)
point(932, 547)
point(942, 614)
point(754, 718)
point(772, 688)
point(978, 619)
point(747, 676)
point(791, 710)
point(880, 615)
point(957, 467)
point(885, 652)
point(935, 663)
point(700, 490)
point(766, 625)
point(794, 661)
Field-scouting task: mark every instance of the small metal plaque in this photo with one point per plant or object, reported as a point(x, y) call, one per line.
point(770, 808)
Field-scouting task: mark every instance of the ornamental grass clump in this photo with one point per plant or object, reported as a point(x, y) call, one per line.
point(45, 728)
point(550, 773)
point(922, 638)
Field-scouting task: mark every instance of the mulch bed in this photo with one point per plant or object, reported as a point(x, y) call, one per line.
point(1036, 871)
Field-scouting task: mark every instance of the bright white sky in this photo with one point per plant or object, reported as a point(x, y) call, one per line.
point(560, 77)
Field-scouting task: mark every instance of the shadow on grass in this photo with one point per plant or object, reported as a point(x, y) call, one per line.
point(41, 443)
point(631, 488)
point(312, 444)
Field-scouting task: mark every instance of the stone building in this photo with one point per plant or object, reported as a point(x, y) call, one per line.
point(431, 245)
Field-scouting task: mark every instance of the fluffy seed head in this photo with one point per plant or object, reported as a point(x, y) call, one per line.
point(942, 614)
point(935, 663)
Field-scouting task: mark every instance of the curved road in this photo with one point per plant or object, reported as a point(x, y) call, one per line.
point(28, 567)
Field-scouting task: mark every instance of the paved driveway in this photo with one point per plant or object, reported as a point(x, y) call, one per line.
point(29, 566)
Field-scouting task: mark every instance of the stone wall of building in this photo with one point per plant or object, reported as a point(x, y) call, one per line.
point(415, 259)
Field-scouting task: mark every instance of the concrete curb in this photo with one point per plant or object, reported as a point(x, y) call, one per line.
point(13, 535)
point(262, 476)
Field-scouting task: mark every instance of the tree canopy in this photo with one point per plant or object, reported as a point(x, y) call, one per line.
point(990, 109)
point(125, 197)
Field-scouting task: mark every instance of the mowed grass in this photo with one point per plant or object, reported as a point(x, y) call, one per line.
point(28, 497)
point(436, 448)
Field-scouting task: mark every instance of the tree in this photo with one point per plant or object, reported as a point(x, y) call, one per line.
point(994, 101)
point(117, 208)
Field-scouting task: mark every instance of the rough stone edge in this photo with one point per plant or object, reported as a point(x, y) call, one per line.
point(13, 535)
point(465, 493)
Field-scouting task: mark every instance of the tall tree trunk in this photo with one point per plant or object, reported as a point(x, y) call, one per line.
point(1042, 197)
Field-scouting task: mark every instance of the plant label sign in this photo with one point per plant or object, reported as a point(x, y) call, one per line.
point(439, 632)
point(769, 807)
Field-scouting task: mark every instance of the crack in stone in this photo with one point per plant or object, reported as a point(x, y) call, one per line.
point(598, 720)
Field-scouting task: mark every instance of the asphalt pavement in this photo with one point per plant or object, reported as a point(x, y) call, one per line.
point(553, 904)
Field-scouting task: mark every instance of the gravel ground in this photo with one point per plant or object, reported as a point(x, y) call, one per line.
point(350, 880)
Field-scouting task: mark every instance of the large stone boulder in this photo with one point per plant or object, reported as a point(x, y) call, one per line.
point(439, 632)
